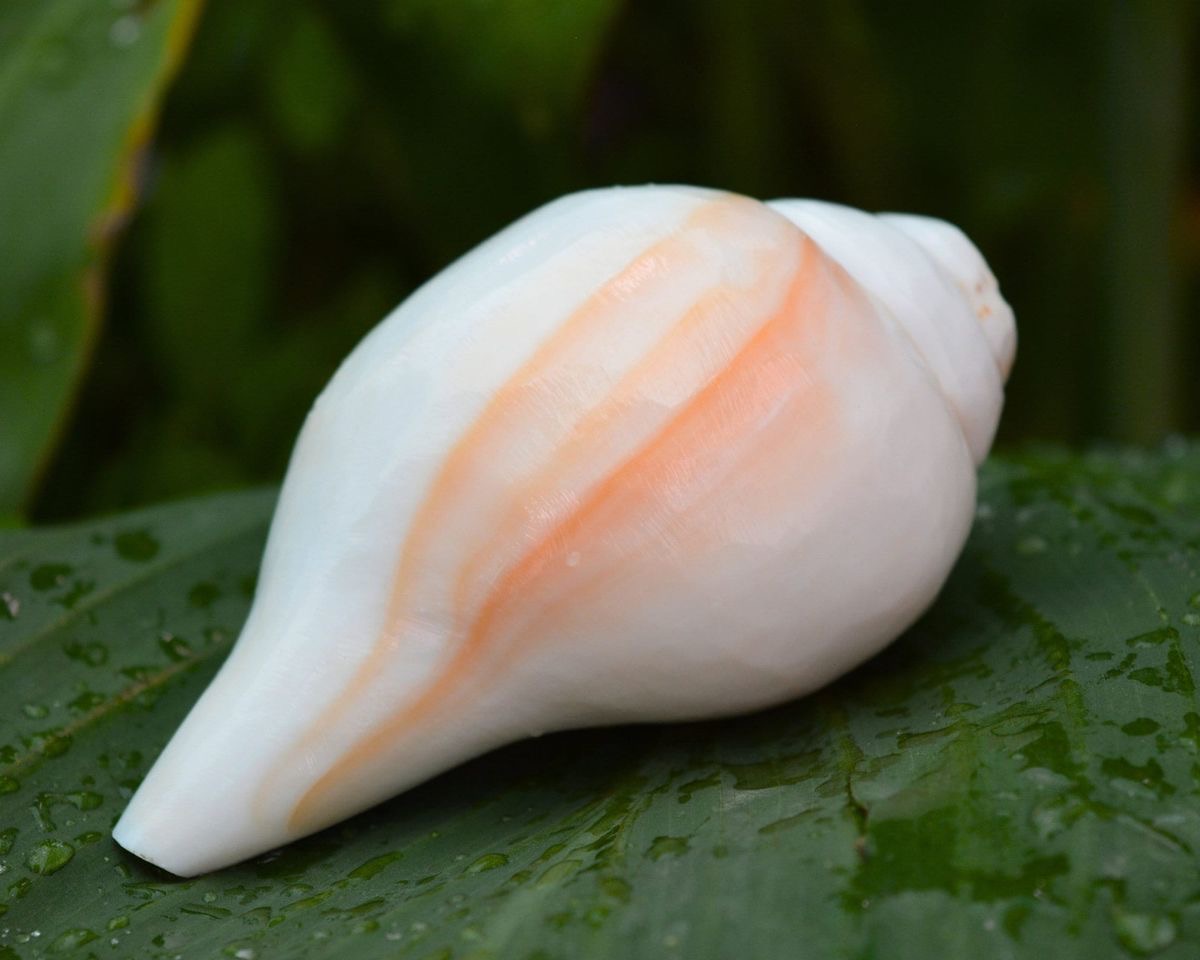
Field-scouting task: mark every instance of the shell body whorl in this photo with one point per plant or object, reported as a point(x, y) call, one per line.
point(649, 453)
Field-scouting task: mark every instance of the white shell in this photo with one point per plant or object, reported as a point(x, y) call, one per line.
point(650, 453)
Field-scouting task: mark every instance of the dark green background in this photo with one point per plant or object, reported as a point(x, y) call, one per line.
point(318, 160)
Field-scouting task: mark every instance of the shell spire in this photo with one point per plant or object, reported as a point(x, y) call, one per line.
point(648, 454)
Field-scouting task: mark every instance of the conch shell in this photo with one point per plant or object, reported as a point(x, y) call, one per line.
point(648, 454)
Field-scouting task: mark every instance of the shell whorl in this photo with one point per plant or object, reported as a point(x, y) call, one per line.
point(932, 281)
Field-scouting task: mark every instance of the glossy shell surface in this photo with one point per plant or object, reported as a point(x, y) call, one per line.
point(650, 453)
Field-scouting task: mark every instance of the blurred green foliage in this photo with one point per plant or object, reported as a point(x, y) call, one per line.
point(318, 160)
point(79, 84)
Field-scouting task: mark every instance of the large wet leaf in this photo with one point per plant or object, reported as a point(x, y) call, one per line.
point(79, 84)
point(1015, 777)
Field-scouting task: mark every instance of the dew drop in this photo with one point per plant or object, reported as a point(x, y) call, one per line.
point(10, 606)
point(373, 866)
point(215, 635)
point(49, 857)
point(136, 545)
point(1031, 545)
point(85, 799)
point(71, 939)
point(87, 701)
point(125, 31)
point(489, 861)
point(49, 743)
point(558, 873)
point(94, 654)
point(617, 888)
point(666, 847)
point(49, 575)
point(1144, 933)
point(176, 648)
point(203, 595)
point(44, 343)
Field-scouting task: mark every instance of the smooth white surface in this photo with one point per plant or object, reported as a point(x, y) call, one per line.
point(647, 454)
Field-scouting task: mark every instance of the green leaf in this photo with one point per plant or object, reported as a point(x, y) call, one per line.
point(1017, 776)
point(79, 87)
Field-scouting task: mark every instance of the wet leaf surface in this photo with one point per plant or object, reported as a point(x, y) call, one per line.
point(1016, 777)
point(79, 86)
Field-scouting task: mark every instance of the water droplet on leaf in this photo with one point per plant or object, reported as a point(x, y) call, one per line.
point(44, 342)
point(667, 847)
point(125, 31)
point(49, 857)
point(489, 861)
point(136, 546)
point(1145, 933)
point(203, 595)
point(93, 654)
point(10, 606)
point(1031, 545)
point(373, 866)
point(50, 575)
point(71, 939)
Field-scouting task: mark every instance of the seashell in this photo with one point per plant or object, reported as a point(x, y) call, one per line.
point(648, 454)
